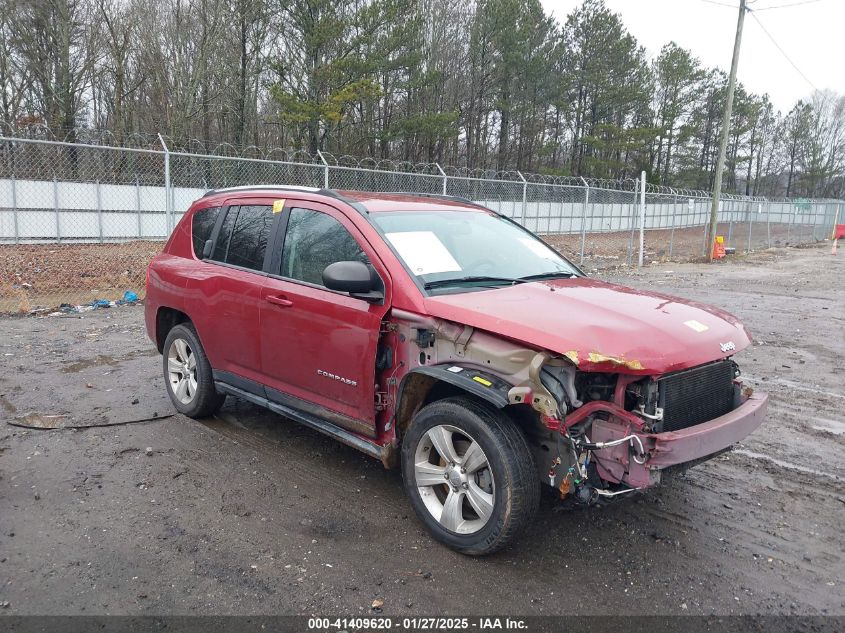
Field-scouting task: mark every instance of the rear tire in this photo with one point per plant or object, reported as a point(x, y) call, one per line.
point(188, 375)
point(469, 475)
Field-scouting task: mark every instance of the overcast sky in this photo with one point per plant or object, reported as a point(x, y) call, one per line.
point(811, 35)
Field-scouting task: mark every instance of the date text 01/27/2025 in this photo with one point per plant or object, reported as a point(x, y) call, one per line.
point(417, 624)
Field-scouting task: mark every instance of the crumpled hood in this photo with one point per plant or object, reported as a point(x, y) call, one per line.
point(600, 326)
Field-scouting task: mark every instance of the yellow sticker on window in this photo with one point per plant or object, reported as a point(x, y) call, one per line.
point(483, 381)
point(278, 205)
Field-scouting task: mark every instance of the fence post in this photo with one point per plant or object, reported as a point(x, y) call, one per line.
point(642, 219)
point(730, 226)
point(56, 210)
point(674, 221)
point(633, 223)
point(445, 177)
point(138, 203)
point(768, 224)
point(167, 218)
point(99, 212)
point(584, 219)
point(325, 170)
point(15, 210)
point(525, 199)
point(751, 223)
point(791, 222)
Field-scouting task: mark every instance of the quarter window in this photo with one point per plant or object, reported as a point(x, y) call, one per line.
point(243, 236)
point(202, 224)
point(313, 241)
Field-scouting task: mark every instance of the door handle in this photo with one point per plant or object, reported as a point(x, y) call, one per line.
point(279, 301)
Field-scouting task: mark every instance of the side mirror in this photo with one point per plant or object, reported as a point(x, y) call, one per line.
point(353, 277)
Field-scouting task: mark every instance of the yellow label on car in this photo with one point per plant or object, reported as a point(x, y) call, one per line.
point(278, 205)
point(482, 381)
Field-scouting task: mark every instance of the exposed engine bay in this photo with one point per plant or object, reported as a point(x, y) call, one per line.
point(595, 447)
point(599, 426)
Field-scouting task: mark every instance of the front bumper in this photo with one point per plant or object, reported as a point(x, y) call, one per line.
point(695, 442)
point(672, 448)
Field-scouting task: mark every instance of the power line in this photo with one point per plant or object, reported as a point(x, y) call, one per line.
point(782, 52)
point(779, 6)
point(721, 4)
point(791, 4)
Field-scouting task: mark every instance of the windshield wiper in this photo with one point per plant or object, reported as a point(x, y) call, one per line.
point(549, 275)
point(457, 281)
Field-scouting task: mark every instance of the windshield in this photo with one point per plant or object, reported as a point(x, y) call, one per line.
point(462, 250)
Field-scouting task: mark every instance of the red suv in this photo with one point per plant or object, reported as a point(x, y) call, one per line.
point(435, 334)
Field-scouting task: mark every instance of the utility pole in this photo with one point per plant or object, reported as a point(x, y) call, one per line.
point(726, 124)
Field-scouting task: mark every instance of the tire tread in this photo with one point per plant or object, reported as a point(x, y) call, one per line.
point(208, 400)
point(518, 461)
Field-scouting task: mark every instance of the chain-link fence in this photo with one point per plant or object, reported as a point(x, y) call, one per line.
point(79, 223)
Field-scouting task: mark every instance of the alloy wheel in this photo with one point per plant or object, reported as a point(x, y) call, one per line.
point(454, 479)
point(182, 370)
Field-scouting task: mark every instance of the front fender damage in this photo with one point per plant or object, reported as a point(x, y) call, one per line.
point(586, 432)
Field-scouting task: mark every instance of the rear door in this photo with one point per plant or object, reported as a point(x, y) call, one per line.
point(227, 292)
point(318, 346)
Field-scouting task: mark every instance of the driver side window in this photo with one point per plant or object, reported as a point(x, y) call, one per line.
point(313, 241)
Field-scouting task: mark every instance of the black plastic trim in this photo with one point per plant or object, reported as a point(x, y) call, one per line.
point(308, 408)
point(292, 402)
point(323, 426)
point(244, 384)
point(496, 394)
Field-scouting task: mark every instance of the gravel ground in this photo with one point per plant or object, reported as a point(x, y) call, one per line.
point(249, 513)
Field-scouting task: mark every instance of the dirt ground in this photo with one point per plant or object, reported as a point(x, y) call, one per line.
point(44, 276)
point(249, 513)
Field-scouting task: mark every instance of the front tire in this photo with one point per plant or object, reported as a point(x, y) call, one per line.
point(469, 474)
point(188, 375)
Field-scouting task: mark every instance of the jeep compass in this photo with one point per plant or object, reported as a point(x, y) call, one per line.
point(443, 338)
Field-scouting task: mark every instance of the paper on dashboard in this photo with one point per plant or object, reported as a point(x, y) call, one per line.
point(423, 252)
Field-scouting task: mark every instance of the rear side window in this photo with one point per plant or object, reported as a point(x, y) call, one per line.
point(202, 224)
point(243, 236)
point(313, 241)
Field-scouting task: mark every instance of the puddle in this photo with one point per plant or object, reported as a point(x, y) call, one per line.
point(41, 421)
point(106, 360)
point(90, 362)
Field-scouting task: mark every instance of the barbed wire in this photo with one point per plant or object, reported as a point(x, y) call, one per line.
point(197, 148)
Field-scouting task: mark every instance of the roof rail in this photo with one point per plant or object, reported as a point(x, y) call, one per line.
point(331, 193)
point(212, 192)
point(439, 196)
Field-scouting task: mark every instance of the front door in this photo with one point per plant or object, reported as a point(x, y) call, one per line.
point(318, 345)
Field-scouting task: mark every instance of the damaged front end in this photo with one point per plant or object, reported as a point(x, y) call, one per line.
point(599, 425)
point(607, 433)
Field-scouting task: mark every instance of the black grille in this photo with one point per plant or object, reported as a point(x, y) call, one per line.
point(696, 395)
